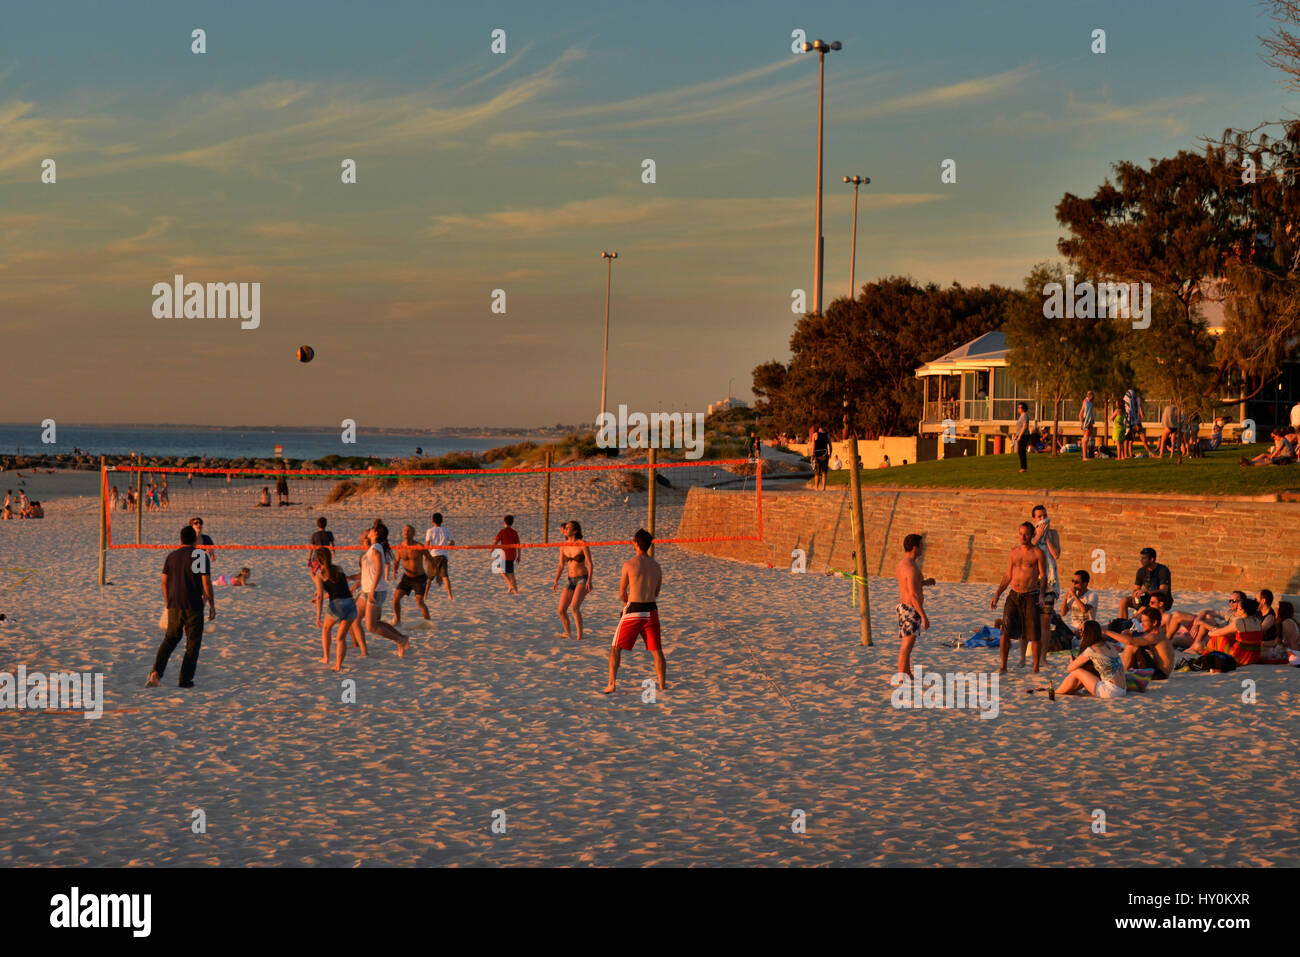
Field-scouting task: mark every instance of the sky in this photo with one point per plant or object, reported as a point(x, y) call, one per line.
point(480, 171)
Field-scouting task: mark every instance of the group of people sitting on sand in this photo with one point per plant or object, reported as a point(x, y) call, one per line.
point(1148, 639)
point(20, 507)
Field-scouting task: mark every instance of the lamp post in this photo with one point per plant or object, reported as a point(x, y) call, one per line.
point(604, 365)
point(853, 247)
point(822, 48)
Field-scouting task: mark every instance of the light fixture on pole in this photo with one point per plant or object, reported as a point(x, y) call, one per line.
point(604, 365)
point(853, 247)
point(822, 48)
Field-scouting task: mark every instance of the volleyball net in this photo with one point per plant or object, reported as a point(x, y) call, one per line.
point(143, 507)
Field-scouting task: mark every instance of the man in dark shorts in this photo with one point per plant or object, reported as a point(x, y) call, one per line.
point(638, 589)
point(507, 537)
point(1151, 577)
point(435, 538)
point(1151, 649)
point(186, 584)
point(1027, 576)
point(821, 451)
point(282, 486)
point(410, 554)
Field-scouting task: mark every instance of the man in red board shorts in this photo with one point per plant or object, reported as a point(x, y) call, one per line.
point(638, 587)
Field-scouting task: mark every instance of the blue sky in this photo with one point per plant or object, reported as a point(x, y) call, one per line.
point(479, 171)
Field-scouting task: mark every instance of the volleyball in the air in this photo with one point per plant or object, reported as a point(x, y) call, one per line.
point(306, 353)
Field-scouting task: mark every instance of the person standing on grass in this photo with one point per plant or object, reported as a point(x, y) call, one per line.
point(1020, 435)
point(638, 589)
point(186, 584)
point(1087, 425)
point(821, 451)
point(911, 602)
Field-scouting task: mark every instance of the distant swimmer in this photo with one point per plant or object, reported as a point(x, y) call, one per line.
point(638, 589)
point(911, 602)
point(575, 561)
point(1027, 576)
point(507, 537)
point(414, 581)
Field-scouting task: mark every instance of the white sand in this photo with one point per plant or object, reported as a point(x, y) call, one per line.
point(773, 706)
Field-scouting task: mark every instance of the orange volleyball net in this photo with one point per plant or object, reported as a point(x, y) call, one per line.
point(143, 507)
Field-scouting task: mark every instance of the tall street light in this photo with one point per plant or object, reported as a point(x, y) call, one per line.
point(853, 248)
point(822, 48)
point(604, 365)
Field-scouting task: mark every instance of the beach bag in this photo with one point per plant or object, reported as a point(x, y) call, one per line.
point(1216, 661)
point(1137, 680)
point(1061, 638)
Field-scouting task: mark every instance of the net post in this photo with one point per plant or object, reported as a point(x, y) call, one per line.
point(650, 506)
point(103, 518)
point(759, 493)
point(139, 505)
point(546, 508)
point(859, 539)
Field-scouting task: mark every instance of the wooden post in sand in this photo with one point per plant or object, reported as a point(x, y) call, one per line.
point(859, 539)
point(139, 505)
point(103, 518)
point(546, 509)
point(650, 507)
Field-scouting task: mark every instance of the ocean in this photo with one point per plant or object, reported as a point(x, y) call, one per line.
point(234, 443)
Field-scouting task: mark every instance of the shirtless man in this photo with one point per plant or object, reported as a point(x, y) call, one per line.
point(911, 603)
point(1027, 576)
point(1151, 649)
point(410, 555)
point(638, 587)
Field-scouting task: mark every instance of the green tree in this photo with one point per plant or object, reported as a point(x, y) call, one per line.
point(1060, 351)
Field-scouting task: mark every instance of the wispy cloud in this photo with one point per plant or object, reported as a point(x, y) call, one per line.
point(949, 95)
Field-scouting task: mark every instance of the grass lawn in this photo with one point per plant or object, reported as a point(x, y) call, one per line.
point(1217, 474)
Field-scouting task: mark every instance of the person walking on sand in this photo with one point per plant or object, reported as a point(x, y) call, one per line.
point(638, 589)
point(436, 540)
point(1020, 435)
point(282, 485)
point(505, 538)
point(186, 585)
point(911, 602)
point(374, 586)
point(1027, 576)
point(575, 561)
point(332, 587)
point(414, 581)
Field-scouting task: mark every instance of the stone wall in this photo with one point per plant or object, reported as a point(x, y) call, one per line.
point(1209, 543)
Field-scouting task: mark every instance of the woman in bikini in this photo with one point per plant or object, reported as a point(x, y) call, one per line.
point(575, 561)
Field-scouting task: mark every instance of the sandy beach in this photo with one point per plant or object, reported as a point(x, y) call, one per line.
point(773, 707)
